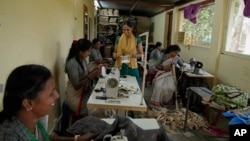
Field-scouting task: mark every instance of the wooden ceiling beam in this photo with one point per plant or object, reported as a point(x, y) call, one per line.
point(133, 7)
point(141, 3)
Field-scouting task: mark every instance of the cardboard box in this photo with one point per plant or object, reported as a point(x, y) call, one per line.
point(107, 51)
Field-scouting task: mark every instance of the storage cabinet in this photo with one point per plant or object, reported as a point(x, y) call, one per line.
point(107, 25)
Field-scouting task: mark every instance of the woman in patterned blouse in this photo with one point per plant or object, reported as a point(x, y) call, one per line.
point(80, 83)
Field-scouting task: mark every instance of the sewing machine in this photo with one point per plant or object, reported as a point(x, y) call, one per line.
point(112, 83)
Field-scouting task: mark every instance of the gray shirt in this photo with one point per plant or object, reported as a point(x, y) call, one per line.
point(95, 55)
point(75, 71)
point(155, 55)
point(155, 58)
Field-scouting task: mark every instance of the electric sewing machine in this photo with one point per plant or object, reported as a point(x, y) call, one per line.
point(112, 83)
point(195, 66)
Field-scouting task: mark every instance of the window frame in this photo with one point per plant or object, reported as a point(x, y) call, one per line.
point(227, 31)
point(181, 18)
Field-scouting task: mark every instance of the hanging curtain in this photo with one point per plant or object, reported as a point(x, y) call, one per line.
point(190, 12)
point(246, 11)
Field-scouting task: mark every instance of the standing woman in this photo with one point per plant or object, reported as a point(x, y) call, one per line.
point(80, 84)
point(131, 45)
point(29, 95)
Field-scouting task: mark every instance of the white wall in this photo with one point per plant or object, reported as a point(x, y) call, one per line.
point(39, 32)
point(159, 27)
point(230, 70)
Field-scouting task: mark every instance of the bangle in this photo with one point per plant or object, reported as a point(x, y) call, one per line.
point(76, 137)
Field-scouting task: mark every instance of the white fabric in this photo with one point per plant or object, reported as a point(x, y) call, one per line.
point(164, 87)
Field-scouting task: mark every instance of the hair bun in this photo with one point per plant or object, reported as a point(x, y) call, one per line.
point(132, 18)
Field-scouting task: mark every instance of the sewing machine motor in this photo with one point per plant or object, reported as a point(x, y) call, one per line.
point(112, 83)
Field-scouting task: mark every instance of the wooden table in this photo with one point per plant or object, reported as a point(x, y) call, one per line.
point(203, 74)
point(133, 103)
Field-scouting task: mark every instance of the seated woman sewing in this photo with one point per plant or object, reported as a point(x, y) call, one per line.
point(164, 85)
point(95, 56)
point(155, 57)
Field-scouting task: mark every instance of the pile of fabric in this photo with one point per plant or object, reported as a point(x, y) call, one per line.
point(97, 126)
point(175, 119)
point(229, 96)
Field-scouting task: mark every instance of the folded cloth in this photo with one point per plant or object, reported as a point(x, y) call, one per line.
point(91, 124)
point(246, 11)
point(190, 12)
point(237, 118)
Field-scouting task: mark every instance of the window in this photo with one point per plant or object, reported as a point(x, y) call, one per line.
point(238, 30)
point(198, 34)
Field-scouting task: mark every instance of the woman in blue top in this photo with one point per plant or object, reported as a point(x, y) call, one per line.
point(128, 45)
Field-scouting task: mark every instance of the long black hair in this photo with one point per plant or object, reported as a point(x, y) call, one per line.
point(76, 47)
point(24, 82)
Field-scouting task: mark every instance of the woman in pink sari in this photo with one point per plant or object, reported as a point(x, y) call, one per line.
point(164, 85)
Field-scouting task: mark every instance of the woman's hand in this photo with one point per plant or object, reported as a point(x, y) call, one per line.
point(181, 69)
point(115, 55)
point(133, 56)
point(99, 66)
point(96, 72)
point(87, 137)
point(159, 67)
point(167, 68)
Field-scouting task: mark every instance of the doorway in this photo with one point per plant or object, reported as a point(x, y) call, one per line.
point(85, 22)
point(169, 27)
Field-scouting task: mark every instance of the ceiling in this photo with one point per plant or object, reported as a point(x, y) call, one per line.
point(146, 8)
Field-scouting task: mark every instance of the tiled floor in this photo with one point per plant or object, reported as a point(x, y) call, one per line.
point(188, 135)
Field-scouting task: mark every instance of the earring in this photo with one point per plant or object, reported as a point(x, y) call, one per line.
point(29, 109)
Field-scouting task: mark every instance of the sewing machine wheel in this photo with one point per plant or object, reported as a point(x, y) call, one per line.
point(112, 83)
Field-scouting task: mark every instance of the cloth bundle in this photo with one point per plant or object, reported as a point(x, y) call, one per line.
point(100, 127)
point(243, 118)
point(246, 11)
point(190, 12)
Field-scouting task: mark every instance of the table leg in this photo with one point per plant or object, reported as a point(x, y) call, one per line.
point(187, 108)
